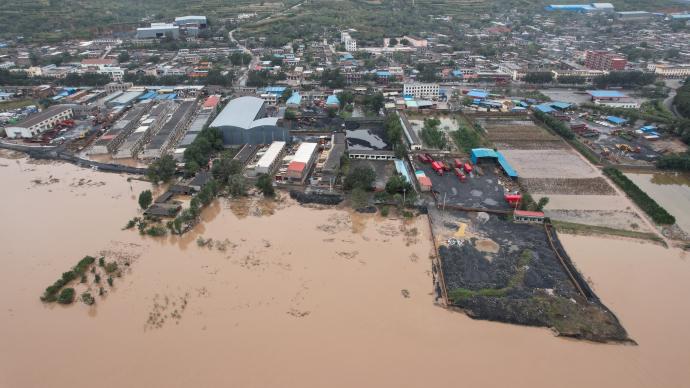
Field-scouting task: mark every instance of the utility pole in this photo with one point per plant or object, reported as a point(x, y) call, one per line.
point(444, 201)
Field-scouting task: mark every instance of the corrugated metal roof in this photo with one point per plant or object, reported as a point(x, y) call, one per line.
point(304, 152)
point(489, 153)
point(241, 112)
point(271, 154)
point(606, 93)
point(616, 120)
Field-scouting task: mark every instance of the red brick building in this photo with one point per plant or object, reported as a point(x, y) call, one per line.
point(604, 60)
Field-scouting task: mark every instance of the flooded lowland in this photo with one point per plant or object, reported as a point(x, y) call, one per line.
point(670, 190)
point(277, 294)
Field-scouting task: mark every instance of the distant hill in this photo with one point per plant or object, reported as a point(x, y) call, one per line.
point(50, 20)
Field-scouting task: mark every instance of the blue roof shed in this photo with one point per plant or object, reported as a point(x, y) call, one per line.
point(402, 170)
point(560, 105)
point(295, 99)
point(478, 153)
point(544, 108)
point(606, 93)
point(477, 93)
point(332, 100)
point(616, 120)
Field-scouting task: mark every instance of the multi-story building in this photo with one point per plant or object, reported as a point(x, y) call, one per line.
point(421, 90)
point(117, 87)
point(39, 122)
point(667, 70)
point(302, 161)
point(604, 60)
point(348, 41)
point(587, 74)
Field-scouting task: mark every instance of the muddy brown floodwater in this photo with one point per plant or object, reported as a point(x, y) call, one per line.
point(302, 297)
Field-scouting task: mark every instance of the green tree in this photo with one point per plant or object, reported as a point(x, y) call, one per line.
point(265, 185)
point(225, 167)
point(397, 184)
point(161, 169)
point(360, 177)
point(123, 57)
point(541, 77)
point(543, 201)
point(374, 102)
point(66, 296)
point(145, 199)
point(237, 185)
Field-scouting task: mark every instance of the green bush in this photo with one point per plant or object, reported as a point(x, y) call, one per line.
point(87, 298)
point(644, 201)
point(384, 211)
point(360, 177)
point(145, 199)
point(66, 296)
point(111, 267)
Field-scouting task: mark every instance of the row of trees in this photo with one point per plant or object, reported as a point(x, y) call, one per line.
point(614, 78)
point(240, 59)
point(644, 201)
point(679, 162)
point(556, 125)
point(260, 78)
point(624, 79)
point(394, 134)
point(72, 79)
point(682, 99)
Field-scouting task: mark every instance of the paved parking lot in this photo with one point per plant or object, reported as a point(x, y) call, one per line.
point(482, 192)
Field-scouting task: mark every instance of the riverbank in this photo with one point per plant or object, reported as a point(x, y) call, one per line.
point(322, 305)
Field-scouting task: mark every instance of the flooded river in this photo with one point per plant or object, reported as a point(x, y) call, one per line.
point(296, 297)
point(670, 190)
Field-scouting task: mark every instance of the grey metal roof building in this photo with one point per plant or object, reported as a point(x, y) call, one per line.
point(158, 30)
point(124, 99)
point(244, 121)
point(161, 139)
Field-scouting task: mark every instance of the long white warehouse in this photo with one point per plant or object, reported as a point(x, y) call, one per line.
point(270, 158)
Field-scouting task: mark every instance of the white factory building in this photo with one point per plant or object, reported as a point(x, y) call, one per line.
point(421, 90)
point(39, 122)
point(302, 161)
point(270, 159)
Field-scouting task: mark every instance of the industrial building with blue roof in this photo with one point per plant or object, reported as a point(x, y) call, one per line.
point(606, 94)
point(479, 153)
point(294, 100)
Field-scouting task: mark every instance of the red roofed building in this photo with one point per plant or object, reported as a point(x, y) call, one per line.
point(295, 170)
point(424, 182)
point(211, 102)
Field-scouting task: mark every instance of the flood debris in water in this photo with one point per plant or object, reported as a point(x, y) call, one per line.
point(167, 308)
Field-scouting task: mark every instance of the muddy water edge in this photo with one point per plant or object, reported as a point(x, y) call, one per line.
point(293, 296)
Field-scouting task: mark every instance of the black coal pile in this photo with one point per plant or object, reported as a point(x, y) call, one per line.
point(323, 199)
